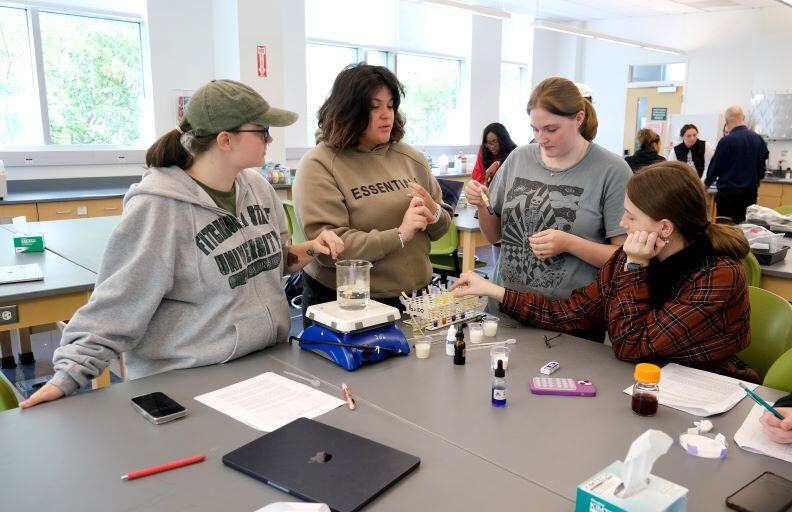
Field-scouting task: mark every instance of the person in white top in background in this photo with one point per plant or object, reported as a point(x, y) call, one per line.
point(693, 151)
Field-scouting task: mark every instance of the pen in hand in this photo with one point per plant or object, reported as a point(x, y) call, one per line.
point(163, 467)
point(348, 396)
point(758, 399)
point(487, 203)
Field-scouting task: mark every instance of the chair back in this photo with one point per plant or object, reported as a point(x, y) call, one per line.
point(295, 228)
point(8, 399)
point(779, 376)
point(753, 273)
point(446, 244)
point(771, 330)
point(784, 209)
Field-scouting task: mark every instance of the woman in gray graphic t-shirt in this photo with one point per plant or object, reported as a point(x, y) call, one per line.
point(557, 203)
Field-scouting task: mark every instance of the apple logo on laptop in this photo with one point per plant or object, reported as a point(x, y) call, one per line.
point(320, 458)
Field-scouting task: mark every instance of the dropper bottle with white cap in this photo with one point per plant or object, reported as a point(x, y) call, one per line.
point(450, 340)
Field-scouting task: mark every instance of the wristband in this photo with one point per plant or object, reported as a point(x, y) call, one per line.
point(401, 240)
point(437, 213)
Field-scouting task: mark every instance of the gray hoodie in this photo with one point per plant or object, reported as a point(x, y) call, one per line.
point(182, 283)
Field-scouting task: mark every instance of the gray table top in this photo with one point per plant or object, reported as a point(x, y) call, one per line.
point(465, 220)
point(81, 241)
point(554, 441)
point(60, 275)
point(78, 447)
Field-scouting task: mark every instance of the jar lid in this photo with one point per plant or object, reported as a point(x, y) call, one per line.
point(648, 373)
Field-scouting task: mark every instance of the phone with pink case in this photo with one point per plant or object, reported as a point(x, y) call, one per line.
point(562, 386)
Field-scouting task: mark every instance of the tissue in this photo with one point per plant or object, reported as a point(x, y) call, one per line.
point(288, 506)
point(643, 453)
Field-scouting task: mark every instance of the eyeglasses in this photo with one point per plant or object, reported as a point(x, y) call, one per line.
point(549, 339)
point(264, 131)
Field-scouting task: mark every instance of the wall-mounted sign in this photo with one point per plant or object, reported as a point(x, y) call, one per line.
point(261, 60)
point(659, 113)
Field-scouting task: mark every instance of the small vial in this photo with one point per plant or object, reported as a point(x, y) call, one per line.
point(499, 386)
point(450, 340)
point(459, 346)
point(645, 395)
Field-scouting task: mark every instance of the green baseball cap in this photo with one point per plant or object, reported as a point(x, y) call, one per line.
point(225, 104)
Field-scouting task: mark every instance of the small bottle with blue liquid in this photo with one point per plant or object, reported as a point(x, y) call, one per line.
point(499, 386)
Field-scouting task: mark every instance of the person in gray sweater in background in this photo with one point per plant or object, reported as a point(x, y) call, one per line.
point(191, 276)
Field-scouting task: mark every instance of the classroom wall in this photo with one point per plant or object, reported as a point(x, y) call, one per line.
point(730, 55)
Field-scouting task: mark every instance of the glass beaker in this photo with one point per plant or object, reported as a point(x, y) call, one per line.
point(353, 283)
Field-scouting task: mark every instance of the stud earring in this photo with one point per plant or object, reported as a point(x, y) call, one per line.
point(665, 239)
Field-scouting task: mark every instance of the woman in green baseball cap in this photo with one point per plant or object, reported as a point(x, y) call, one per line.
point(192, 274)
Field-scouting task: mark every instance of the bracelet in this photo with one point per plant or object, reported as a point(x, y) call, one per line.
point(401, 239)
point(437, 212)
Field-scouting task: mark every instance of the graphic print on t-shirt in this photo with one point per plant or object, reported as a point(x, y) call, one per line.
point(530, 207)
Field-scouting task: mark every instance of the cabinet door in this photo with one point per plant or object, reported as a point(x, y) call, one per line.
point(15, 210)
point(62, 210)
point(105, 207)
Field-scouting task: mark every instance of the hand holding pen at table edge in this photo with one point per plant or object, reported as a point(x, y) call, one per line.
point(777, 430)
point(470, 283)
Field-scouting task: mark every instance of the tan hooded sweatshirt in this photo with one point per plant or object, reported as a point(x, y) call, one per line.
point(361, 195)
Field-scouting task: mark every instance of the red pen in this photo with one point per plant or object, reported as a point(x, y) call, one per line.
point(163, 467)
point(348, 396)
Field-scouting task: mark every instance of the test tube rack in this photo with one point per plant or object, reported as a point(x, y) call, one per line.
point(438, 310)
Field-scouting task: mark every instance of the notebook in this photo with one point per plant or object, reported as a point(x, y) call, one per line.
point(20, 273)
point(320, 463)
point(451, 190)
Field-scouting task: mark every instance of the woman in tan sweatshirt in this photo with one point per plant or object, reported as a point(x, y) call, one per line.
point(374, 191)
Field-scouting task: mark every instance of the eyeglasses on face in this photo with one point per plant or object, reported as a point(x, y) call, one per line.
point(264, 131)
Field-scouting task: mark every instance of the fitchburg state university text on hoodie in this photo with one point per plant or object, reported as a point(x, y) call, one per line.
point(182, 282)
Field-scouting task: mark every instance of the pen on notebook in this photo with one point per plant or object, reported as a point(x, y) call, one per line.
point(163, 467)
point(348, 396)
point(487, 203)
point(758, 399)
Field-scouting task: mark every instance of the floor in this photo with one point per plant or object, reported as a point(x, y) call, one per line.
point(28, 378)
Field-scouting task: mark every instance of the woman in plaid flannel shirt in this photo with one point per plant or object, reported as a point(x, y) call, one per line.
point(675, 291)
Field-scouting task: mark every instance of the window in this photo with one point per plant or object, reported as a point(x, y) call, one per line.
point(515, 90)
point(324, 62)
point(431, 105)
point(658, 72)
point(89, 90)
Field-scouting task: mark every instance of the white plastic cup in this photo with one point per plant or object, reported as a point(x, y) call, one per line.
point(490, 324)
point(499, 353)
point(476, 332)
point(423, 347)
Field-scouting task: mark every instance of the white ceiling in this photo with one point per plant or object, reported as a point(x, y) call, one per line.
point(569, 10)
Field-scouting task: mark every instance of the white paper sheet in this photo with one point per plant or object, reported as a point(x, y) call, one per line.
point(269, 401)
point(752, 438)
point(698, 392)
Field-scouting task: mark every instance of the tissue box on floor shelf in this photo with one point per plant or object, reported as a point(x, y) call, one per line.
point(599, 494)
point(29, 243)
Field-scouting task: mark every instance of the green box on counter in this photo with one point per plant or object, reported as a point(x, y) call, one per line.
point(29, 243)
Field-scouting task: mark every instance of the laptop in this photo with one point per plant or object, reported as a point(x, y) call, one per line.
point(320, 463)
point(451, 190)
point(20, 273)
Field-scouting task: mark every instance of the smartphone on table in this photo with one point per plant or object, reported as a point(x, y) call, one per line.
point(766, 493)
point(158, 407)
point(562, 386)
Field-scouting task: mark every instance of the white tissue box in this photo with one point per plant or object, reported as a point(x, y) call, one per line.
point(597, 494)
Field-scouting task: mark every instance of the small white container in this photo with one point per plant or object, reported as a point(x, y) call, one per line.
point(476, 332)
point(423, 347)
point(490, 324)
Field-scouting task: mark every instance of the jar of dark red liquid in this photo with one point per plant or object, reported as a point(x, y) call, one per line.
point(646, 392)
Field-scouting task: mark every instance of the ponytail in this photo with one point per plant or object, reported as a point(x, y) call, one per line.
point(728, 240)
point(589, 127)
point(167, 151)
point(178, 147)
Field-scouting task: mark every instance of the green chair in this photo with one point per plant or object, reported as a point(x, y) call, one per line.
point(771, 329)
point(8, 399)
point(784, 209)
point(779, 376)
point(753, 273)
point(444, 256)
point(295, 229)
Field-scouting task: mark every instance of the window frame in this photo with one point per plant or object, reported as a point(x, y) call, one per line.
point(295, 152)
point(49, 154)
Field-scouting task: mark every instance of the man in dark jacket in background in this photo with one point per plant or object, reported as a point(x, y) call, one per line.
point(737, 167)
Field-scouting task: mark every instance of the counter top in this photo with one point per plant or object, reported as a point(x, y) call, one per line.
point(782, 181)
point(45, 191)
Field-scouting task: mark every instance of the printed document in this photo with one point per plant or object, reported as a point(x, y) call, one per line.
point(269, 401)
point(752, 438)
point(698, 392)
